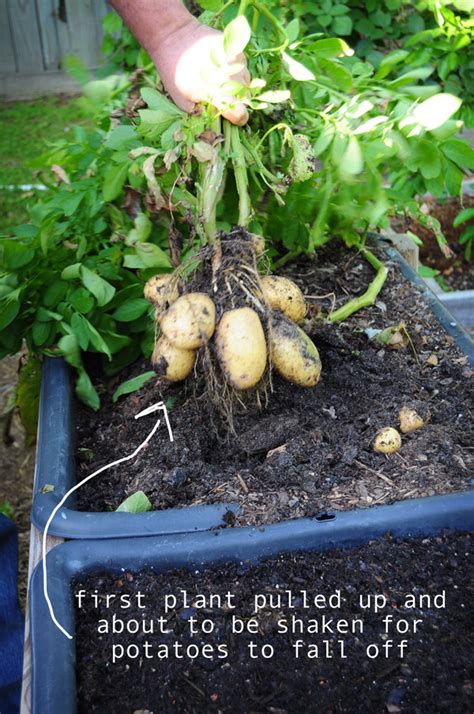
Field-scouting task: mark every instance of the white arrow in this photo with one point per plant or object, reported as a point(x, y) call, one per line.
point(160, 406)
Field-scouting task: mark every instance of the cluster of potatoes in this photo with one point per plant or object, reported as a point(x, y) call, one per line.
point(388, 440)
point(189, 321)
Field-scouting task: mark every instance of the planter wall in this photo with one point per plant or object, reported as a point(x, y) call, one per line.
point(439, 309)
point(55, 455)
point(53, 656)
point(460, 303)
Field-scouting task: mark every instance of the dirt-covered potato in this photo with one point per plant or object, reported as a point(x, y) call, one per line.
point(161, 291)
point(410, 420)
point(190, 321)
point(241, 347)
point(294, 355)
point(282, 294)
point(387, 440)
point(172, 362)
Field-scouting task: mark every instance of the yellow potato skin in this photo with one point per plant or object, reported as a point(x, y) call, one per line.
point(241, 347)
point(282, 294)
point(410, 420)
point(190, 321)
point(387, 441)
point(161, 291)
point(293, 353)
point(171, 362)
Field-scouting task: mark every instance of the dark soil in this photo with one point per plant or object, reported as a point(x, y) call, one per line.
point(309, 450)
point(435, 673)
point(456, 272)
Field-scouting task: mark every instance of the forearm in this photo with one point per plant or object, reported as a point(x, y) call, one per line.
point(152, 21)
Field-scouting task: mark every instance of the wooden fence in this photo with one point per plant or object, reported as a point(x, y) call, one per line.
point(35, 36)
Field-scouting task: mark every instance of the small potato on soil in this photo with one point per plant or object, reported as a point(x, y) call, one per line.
point(162, 291)
point(171, 362)
point(284, 295)
point(190, 321)
point(293, 353)
point(387, 440)
point(410, 420)
point(241, 347)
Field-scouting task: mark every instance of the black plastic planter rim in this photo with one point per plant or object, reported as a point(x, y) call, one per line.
point(53, 688)
point(55, 455)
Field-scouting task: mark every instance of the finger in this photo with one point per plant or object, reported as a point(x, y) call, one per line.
point(244, 77)
point(237, 114)
point(182, 102)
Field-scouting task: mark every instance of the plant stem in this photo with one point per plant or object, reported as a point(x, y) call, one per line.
point(266, 12)
point(212, 176)
point(255, 19)
point(316, 231)
point(286, 258)
point(224, 7)
point(227, 141)
point(243, 7)
point(258, 162)
point(370, 295)
point(280, 125)
point(240, 173)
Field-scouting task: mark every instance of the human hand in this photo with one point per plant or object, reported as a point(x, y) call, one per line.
point(193, 68)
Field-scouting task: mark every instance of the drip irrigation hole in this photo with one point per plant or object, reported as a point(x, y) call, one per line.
point(325, 517)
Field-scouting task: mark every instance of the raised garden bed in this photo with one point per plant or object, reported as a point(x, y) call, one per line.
point(431, 677)
point(460, 304)
point(456, 272)
point(309, 452)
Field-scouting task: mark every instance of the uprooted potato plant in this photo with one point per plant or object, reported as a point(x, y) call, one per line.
point(231, 324)
point(332, 148)
point(217, 314)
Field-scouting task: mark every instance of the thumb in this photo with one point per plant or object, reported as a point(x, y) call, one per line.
point(237, 114)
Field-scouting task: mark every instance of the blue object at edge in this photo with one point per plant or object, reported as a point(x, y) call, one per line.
point(11, 620)
point(53, 656)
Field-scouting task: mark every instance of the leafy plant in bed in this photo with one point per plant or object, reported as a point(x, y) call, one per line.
point(160, 190)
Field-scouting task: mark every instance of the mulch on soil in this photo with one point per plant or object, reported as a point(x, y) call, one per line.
point(434, 675)
point(17, 463)
point(309, 450)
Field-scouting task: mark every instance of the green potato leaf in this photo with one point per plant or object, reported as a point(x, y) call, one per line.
point(133, 385)
point(136, 503)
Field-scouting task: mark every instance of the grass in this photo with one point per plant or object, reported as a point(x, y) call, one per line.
point(6, 509)
point(25, 130)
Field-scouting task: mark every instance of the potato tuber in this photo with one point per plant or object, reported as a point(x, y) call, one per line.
point(190, 321)
point(293, 353)
point(410, 420)
point(171, 362)
point(387, 440)
point(161, 291)
point(284, 295)
point(241, 347)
